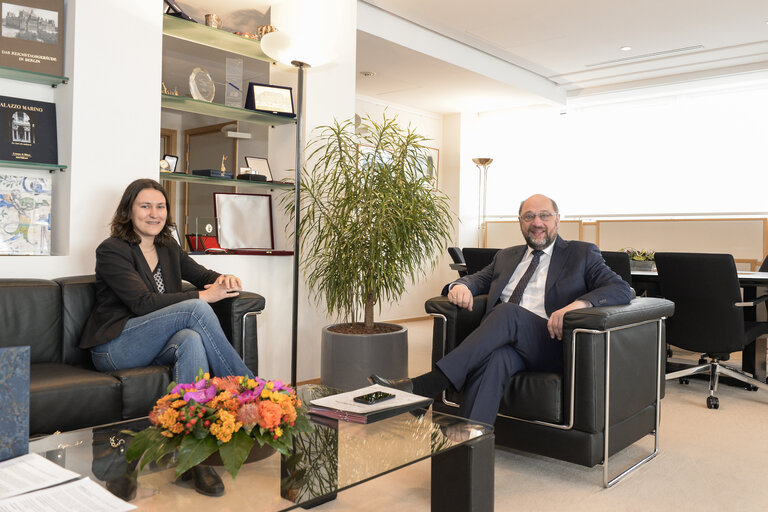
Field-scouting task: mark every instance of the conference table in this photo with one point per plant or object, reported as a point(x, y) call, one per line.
point(754, 354)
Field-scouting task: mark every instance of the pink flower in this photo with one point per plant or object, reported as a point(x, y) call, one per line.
point(197, 392)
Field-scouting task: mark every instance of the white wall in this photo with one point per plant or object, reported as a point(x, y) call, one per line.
point(108, 125)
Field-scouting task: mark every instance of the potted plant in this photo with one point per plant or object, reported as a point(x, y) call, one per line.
point(640, 259)
point(371, 222)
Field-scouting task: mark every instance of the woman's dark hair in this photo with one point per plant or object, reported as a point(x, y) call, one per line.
point(122, 226)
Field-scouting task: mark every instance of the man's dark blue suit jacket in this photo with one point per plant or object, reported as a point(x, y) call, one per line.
point(577, 271)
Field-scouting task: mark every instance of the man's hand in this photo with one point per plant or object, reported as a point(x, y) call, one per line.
point(555, 323)
point(461, 296)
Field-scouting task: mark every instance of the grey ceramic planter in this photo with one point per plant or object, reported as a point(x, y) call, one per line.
point(346, 360)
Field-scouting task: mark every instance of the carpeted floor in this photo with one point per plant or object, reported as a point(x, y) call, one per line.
point(708, 460)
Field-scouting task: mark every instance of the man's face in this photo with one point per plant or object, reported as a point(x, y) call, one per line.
point(539, 233)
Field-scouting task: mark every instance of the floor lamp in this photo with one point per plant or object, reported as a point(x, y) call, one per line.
point(482, 165)
point(299, 50)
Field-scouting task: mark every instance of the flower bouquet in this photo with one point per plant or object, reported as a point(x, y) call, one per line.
point(224, 414)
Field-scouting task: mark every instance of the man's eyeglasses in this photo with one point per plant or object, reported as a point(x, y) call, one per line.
point(543, 216)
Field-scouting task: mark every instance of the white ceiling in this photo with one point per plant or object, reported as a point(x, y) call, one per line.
point(575, 44)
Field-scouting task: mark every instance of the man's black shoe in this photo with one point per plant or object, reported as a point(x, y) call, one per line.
point(207, 481)
point(401, 384)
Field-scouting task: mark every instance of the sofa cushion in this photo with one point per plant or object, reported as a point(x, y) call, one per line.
point(78, 295)
point(64, 397)
point(141, 387)
point(30, 314)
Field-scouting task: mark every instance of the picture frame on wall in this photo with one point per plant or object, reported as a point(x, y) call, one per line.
point(271, 99)
point(32, 35)
point(259, 165)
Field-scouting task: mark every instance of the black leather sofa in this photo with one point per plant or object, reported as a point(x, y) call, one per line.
point(66, 391)
point(563, 415)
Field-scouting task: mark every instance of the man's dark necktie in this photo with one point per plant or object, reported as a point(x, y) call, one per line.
point(517, 293)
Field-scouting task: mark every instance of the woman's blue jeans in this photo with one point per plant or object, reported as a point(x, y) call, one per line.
point(186, 335)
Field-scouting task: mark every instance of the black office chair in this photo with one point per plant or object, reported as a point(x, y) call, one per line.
point(459, 265)
point(619, 263)
point(477, 258)
point(708, 315)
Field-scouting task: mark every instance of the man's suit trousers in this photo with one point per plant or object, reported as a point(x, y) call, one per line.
point(510, 339)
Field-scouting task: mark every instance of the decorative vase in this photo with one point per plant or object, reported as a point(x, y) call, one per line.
point(257, 453)
point(642, 265)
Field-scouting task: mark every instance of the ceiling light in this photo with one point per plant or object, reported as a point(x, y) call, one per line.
point(626, 48)
point(367, 74)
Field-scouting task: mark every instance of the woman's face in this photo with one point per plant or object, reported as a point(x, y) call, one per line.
point(149, 213)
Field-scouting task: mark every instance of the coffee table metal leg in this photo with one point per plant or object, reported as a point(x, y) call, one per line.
point(462, 477)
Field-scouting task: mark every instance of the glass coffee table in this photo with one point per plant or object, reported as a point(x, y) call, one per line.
point(336, 455)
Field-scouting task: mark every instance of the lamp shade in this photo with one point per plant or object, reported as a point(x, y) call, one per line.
point(301, 33)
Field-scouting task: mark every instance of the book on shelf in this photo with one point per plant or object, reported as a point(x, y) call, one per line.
point(344, 407)
point(28, 131)
point(215, 173)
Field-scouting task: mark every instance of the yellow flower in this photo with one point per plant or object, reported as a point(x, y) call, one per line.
point(250, 383)
point(270, 385)
point(278, 432)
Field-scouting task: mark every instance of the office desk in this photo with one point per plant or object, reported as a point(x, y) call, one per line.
point(754, 354)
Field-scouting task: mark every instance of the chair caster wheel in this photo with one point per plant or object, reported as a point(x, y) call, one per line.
point(684, 380)
point(702, 361)
point(713, 402)
point(752, 388)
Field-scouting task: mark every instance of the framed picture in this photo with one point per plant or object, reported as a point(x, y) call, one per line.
point(433, 161)
point(32, 35)
point(259, 165)
point(273, 99)
point(244, 221)
point(172, 161)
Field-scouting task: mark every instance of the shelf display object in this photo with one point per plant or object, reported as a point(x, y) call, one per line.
point(211, 161)
point(33, 35)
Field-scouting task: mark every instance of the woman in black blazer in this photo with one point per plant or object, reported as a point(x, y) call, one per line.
point(142, 317)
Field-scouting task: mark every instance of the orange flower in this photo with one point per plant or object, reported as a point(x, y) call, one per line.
point(270, 414)
point(289, 412)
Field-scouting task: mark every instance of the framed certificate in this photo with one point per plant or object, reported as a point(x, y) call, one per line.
point(259, 165)
point(273, 99)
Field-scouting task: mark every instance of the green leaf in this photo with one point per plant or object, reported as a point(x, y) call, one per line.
point(234, 453)
point(193, 451)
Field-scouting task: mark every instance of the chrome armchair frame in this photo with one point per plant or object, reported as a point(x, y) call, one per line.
point(607, 481)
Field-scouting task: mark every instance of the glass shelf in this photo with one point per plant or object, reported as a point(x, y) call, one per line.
point(31, 76)
point(33, 165)
point(212, 37)
point(228, 182)
point(186, 104)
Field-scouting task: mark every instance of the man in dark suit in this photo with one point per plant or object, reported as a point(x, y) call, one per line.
point(530, 289)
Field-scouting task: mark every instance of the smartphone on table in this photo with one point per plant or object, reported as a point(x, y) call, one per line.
point(373, 398)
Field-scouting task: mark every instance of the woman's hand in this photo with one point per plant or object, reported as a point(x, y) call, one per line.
point(224, 287)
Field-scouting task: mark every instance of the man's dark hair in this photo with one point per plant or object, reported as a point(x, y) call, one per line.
point(554, 206)
point(122, 226)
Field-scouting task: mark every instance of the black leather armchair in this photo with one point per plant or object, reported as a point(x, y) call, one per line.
point(66, 391)
point(612, 359)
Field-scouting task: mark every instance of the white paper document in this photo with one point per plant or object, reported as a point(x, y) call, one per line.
point(346, 402)
point(83, 495)
point(30, 472)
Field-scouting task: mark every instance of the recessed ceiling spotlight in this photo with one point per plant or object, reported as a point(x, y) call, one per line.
point(367, 74)
point(626, 48)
